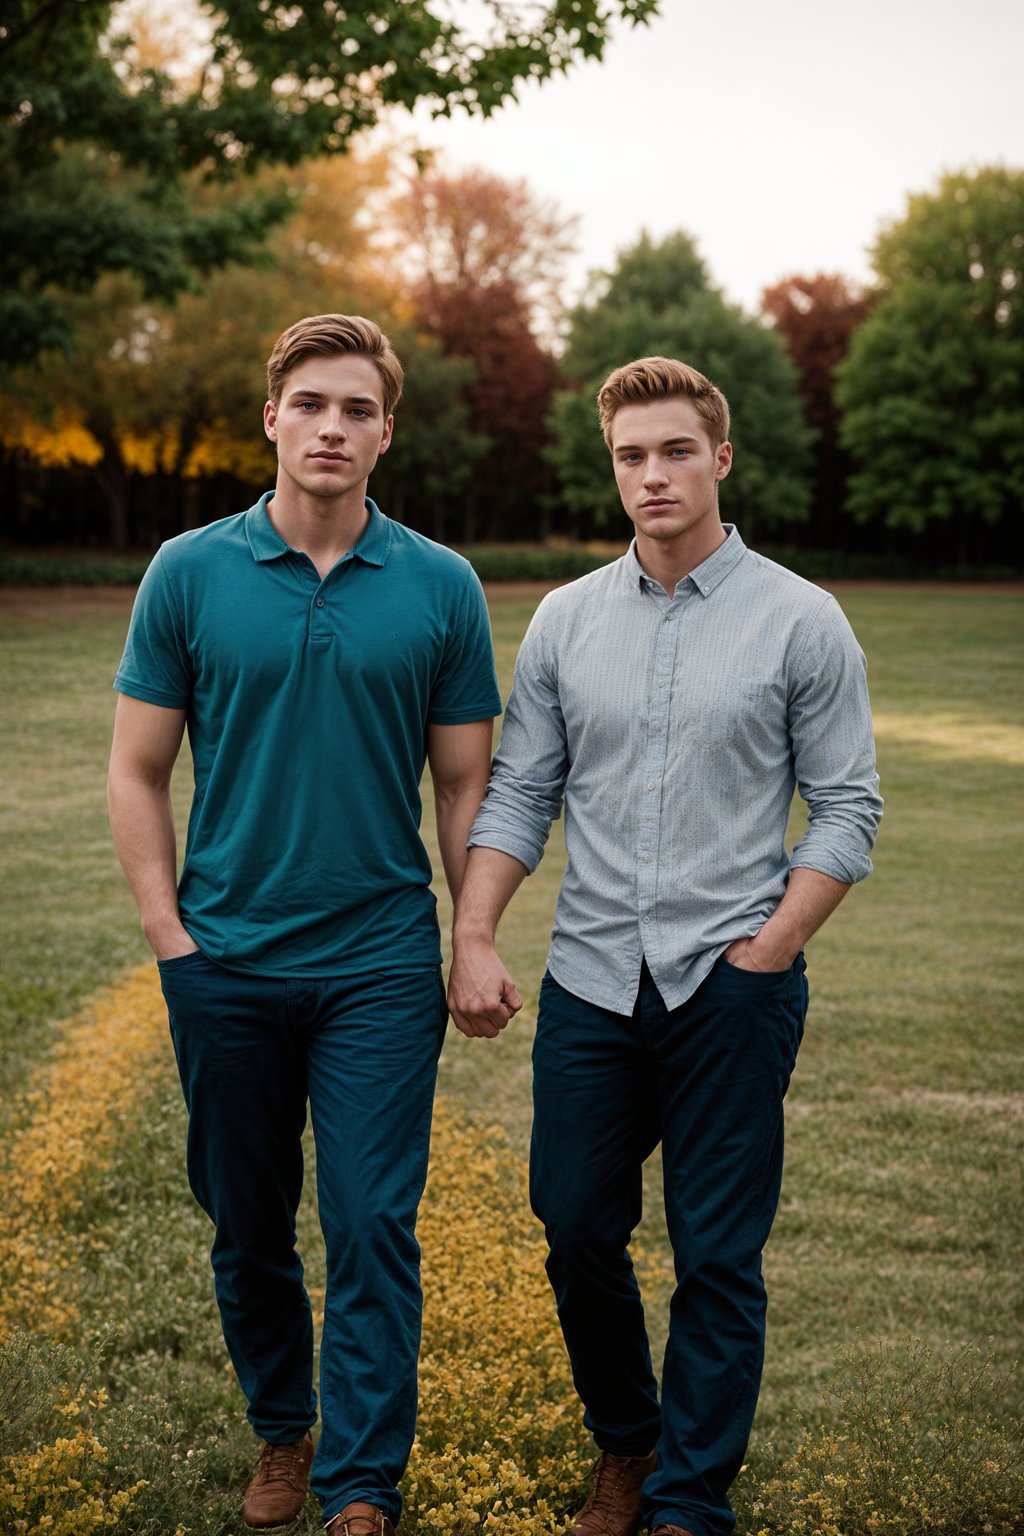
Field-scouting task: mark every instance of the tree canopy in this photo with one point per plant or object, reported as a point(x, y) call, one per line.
point(659, 301)
point(931, 389)
point(483, 261)
point(100, 148)
point(816, 318)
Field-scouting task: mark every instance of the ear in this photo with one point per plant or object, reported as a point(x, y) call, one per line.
point(723, 460)
point(270, 420)
point(385, 442)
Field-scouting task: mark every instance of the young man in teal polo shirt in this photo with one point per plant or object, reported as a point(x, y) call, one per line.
point(318, 654)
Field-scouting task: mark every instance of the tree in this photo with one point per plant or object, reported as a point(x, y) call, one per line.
point(483, 262)
point(272, 84)
point(432, 460)
point(931, 389)
point(174, 395)
point(467, 230)
point(658, 301)
point(816, 318)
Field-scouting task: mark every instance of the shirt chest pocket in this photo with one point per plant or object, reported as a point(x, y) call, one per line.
point(737, 714)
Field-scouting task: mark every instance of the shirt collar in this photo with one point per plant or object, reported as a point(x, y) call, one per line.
point(706, 576)
point(267, 544)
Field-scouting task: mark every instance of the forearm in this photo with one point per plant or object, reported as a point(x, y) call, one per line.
point(810, 898)
point(455, 814)
point(491, 880)
point(142, 824)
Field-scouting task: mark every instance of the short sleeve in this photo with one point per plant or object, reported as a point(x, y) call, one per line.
point(466, 685)
point(156, 666)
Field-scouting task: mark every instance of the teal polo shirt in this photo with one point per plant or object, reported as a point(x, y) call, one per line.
point(307, 705)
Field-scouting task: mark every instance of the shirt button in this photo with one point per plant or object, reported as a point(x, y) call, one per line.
point(652, 785)
point(319, 602)
point(648, 857)
point(646, 919)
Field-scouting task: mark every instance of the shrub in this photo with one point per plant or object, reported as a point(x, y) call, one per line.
point(908, 1451)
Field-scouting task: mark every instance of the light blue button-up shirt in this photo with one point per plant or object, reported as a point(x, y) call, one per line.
point(675, 729)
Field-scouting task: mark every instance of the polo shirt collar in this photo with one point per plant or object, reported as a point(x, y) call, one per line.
point(267, 544)
point(706, 576)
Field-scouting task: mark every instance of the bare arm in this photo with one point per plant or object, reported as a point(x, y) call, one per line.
point(147, 739)
point(460, 765)
point(810, 898)
point(482, 996)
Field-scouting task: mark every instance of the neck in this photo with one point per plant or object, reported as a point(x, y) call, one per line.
point(323, 529)
point(670, 561)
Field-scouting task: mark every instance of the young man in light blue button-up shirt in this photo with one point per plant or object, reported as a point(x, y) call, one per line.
point(672, 702)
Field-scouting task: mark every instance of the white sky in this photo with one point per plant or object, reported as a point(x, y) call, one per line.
point(779, 135)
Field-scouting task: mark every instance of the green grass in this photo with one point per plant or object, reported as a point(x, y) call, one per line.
point(902, 1206)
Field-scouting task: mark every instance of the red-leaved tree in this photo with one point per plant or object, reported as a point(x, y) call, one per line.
point(816, 318)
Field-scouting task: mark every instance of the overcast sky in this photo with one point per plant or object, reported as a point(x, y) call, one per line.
point(779, 135)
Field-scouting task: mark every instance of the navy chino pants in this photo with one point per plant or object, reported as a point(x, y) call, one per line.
point(707, 1080)
point(363, 1051)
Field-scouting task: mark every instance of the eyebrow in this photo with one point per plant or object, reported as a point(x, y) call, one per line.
point(318, 394)
point(670, 442)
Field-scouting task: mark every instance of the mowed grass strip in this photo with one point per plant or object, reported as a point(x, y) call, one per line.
point(902, 1210)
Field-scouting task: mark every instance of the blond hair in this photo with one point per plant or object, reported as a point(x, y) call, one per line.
point(663, 378)
point(326, 335)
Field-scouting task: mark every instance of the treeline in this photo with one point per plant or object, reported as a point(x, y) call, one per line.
point(884, 422)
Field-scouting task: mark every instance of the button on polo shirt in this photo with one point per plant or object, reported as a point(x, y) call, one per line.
point(307, 704)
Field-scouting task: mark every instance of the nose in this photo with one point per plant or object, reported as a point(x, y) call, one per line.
point(332, 426)
point(654, 473)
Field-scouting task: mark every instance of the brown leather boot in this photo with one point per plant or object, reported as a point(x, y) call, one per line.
point(613, 1508)
point(360, 1520)
point(278, 1491)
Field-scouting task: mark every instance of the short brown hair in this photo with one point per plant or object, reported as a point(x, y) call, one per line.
point(325, 335)
point(663, 378)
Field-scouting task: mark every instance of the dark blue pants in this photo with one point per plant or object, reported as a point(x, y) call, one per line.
point(707, 1079)
point(363, 1051)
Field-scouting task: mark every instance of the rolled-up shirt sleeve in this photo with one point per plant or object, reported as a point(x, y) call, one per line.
point(531, 765)
point(834, 750)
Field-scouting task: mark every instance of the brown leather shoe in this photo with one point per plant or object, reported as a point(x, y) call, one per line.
point(613, 1508)
point(360, 1520)
point(278, 1491)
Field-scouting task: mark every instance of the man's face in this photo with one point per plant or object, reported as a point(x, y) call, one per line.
point(667, 471)
point(329, 425)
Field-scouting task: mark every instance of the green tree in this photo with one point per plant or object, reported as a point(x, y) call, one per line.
point(932, 386)
point(427, 471)
point(659, 302)
point(273, 84)
point(158, 400)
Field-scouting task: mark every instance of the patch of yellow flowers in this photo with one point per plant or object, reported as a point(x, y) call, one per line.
point(500, 1447)
point(65, 1130)
point(58, 1489)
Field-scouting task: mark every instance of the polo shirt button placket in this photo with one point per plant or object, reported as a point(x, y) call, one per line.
point(320, 628)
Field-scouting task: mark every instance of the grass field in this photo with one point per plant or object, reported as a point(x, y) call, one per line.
point(902, 1211)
